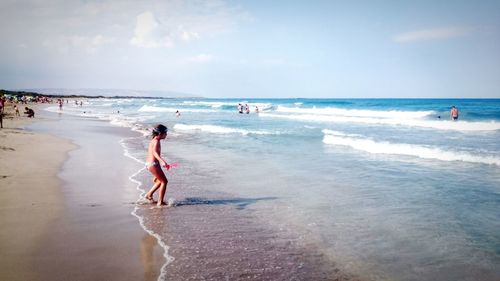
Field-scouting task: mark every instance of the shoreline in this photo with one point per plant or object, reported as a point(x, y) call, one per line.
point(97, 230)
point(31, 192)
point(59, 223)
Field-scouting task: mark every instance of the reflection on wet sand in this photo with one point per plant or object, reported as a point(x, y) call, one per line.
point(150, 261)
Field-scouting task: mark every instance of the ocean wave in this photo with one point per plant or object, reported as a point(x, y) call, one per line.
point(219, 129)
point(421, 151)
point(148, 108)
point(214, 104)
point(394, 114)
point(230, 105)
point(337, 133)
point(434, 124)
point(134, 123)
point(119, 120)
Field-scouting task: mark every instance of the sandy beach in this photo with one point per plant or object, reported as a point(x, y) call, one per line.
point(31, 199)
point(48, 232)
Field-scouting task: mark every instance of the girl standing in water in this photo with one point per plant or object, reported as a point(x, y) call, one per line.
point(154, 162)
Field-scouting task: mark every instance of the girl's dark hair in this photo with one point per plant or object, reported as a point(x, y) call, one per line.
point(158, 130)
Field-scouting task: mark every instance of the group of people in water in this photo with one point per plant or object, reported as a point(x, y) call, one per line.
point(246, 109)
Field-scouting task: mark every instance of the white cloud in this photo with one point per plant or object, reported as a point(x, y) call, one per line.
point(169, 23)
point(201, 58)
point(430, 34)
point(143, 24)
point(152, 32)
point(149, 33)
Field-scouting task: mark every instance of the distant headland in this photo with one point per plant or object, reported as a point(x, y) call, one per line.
point(97, 93)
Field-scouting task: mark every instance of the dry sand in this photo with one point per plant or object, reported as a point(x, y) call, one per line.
point(30, 196)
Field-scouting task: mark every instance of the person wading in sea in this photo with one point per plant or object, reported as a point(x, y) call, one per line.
point(454, 113)
point(154, 162)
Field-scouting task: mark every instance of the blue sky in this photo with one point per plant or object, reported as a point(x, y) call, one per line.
point(324, 49)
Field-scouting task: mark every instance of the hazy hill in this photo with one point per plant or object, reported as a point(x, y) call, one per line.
point(110, 93)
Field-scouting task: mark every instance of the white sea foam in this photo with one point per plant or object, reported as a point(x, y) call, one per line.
point(168, 258)
point(421, 151)
point(219, 129)
point(214, 104)
point(120, 120)
point(434, 124)
point(134, 123)
point(394, 114)
point(261, 106)
point(337, 133)
point(217, 105)
point(148, 108)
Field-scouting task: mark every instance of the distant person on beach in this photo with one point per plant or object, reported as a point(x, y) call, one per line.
point(256, 109)
point(154, 162)
point(61, 102)
point(2, 104)
point(16, 108)
point(30, 112)
point(177, 113)
point(247, 108)
point(454, 113)
point(240, 108)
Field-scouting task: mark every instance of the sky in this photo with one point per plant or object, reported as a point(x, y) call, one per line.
point(255, 49)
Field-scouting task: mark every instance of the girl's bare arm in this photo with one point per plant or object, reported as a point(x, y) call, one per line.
point(156, 153)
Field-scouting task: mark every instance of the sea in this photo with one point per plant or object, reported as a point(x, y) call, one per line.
point(390, 189)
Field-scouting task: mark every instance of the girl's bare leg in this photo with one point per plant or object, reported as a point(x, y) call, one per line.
point(160, 183)
point(149, 195)
point(163, 189)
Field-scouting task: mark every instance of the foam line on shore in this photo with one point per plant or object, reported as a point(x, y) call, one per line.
point(168, 258)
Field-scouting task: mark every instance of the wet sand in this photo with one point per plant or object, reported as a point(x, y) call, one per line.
point(66, 201)
point(216, 236)
point(212, 241)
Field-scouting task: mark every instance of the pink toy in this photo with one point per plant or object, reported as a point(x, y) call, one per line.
point(172, 166)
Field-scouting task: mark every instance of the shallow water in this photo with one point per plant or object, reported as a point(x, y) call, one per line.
point(384, 188)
